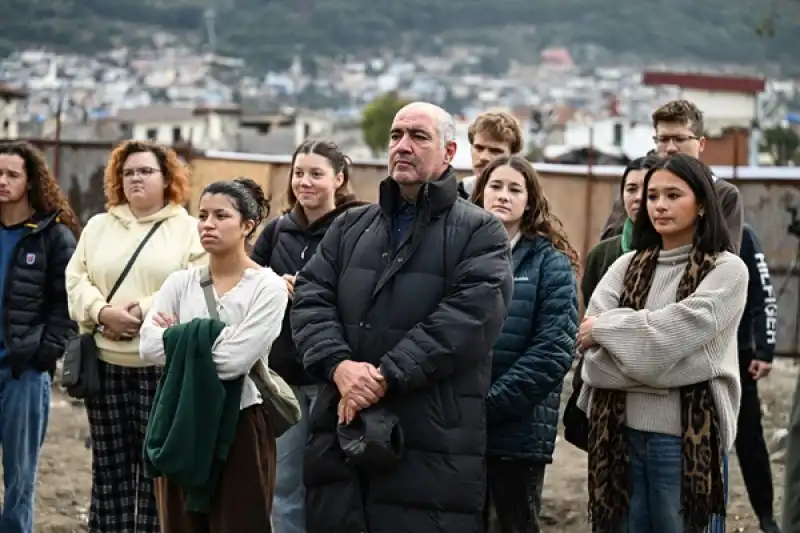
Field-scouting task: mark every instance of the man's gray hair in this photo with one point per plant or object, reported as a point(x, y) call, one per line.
point(447, 128)
point(446, 124)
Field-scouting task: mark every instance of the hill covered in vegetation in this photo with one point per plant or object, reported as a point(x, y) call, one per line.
point(267, 33)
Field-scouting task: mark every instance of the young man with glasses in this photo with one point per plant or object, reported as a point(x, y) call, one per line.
point(679, 129)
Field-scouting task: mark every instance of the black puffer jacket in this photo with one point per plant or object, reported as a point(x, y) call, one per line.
point(295, 241)
point(759, 324)
point(35, 317)
point(427, 314)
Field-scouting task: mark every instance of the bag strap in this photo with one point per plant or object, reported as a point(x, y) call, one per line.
point(129, 265)
point(276, 231)
point(208, 293)
point(211, 303)
point(132, 260)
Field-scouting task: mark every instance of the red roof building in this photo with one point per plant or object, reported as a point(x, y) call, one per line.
point(9, 120)
point(705, 82)
point(726, 101)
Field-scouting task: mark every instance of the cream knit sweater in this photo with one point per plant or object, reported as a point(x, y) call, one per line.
point(653, 352)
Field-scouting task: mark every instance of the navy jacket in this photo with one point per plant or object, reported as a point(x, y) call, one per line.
point(533, 354)
point(758, 328)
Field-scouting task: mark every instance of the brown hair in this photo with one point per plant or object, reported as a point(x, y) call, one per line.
point(537, 218)
point(640, 163)
point(176, 174)
point(680, 112)
point(44, 194)
point(339, 162)
point(499, 126)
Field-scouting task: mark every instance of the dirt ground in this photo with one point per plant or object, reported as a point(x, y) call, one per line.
point(64, 476)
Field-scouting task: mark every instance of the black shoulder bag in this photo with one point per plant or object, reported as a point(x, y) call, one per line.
point(80, 375)
point(576, 423)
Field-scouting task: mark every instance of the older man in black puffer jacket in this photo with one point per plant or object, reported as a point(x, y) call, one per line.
point(399, 308)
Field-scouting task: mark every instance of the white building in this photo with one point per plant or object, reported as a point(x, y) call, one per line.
point(615, 136)
point(9, 111)
point(205, 128)
point(726, 101)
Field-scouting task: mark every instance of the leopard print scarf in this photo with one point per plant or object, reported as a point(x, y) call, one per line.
point(702, 491)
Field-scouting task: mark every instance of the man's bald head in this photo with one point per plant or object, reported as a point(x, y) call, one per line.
point(445, 123)
point(422, 143)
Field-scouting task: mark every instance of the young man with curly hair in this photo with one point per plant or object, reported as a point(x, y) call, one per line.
point(38, 231)
point(491, 135)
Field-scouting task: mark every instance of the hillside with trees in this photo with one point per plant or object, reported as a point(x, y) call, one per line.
point(267, 33)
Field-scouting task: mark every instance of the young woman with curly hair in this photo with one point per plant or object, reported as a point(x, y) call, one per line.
point(145, 186)
point(37, 238)
point(535, 349)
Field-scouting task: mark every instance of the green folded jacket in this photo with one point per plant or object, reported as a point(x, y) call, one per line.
point(194, 417)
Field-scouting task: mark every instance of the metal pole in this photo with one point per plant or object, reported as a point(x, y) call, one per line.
point(754, 139)
point(587, 228)
point(57, 148)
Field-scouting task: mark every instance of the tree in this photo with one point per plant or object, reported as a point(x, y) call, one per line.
point(376, 121)
point(534, 154)
point(494, 64)
point(781, 144)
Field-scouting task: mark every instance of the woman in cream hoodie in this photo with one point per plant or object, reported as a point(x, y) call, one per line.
point(144, 184)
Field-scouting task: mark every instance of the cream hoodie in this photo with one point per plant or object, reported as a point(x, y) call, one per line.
point(105, 246)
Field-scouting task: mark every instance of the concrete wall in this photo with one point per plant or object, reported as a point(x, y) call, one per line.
point(274, 177)
point(79, 168)
point(583, 203)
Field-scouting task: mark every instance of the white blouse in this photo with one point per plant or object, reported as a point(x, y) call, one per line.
point(252, 311)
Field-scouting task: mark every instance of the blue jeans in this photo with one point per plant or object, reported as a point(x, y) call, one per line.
point(289, 507)
point(655, 468)
point(24, 411)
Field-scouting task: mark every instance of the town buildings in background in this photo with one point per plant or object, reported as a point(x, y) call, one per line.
point(572, 114)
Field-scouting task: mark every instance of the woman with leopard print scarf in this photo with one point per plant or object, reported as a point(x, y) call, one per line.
point(660, 362)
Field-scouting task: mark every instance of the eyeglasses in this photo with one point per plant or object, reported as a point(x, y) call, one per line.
point(675, 139)
point(144, 172)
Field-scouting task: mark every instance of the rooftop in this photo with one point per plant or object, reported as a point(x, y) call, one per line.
point(705, 82)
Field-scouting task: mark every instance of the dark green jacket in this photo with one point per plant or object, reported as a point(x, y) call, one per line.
point(194, 417)
point(599, 259)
